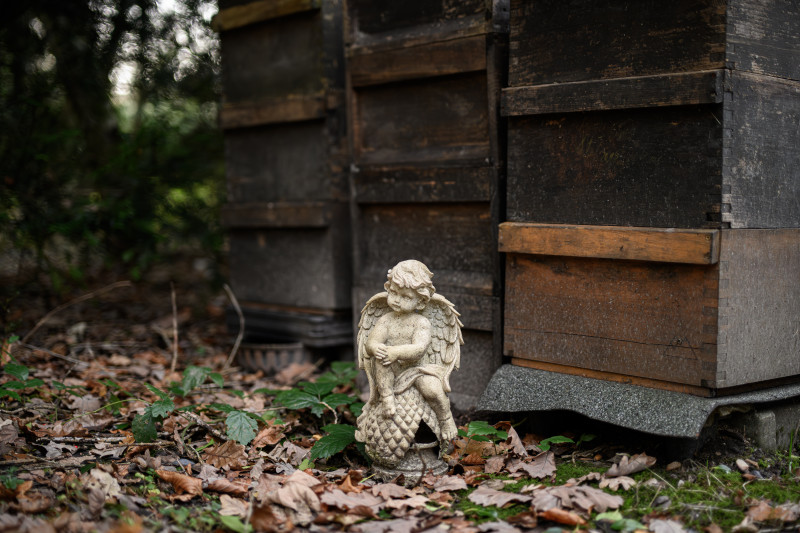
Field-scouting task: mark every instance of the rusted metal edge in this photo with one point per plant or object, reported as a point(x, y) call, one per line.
point(686, 88)
point(277, 215)
point(259, 11)
point(664, 245)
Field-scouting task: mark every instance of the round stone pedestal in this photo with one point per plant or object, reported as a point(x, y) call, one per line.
point(420, 460)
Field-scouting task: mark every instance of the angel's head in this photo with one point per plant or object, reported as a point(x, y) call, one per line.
point(411, 275)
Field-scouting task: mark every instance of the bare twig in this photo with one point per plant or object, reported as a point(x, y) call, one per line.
point(240, 336)
point(79, 299)
point(174, 328)
point(35, 349)
point(200, 422)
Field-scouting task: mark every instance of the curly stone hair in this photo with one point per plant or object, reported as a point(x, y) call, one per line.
point(411, 274)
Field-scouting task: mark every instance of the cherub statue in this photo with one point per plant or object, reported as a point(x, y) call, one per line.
point(409, 341)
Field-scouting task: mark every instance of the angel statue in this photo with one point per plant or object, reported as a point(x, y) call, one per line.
point(409, 341)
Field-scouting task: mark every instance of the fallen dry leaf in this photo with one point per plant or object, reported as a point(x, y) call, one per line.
point(494, 464)
point(230, 454)
point(295, 496)
point(181, 483)
point(233, 506)
point(561, 516)
point(497, 527)
point(666, 526)
point(616, 483)
point(764, 512)
point(96, 500)
point(416, 502)
point(398, 525)
point(267, 520)
point(542, 466)
point(628, 466)
point(525, 519)
point(486, 496)
point(237, 488)
point(346, 501)
point(450, 483)
point(513, 440)
point(304, 479)
point(269, 436)
point(392, 490)
point(33, 502)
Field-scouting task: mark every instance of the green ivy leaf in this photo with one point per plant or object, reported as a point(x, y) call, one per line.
point(337, 439)
point(336, 399)
point(356, 408)
point(317, 389)
point(544, 445)
point(161, 408)
point(144, 427)
point(18, 371)
point(193, 377)
point(241, 427)
point(295, 399)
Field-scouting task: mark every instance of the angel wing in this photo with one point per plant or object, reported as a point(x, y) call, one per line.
point(446, 338)
point(375, 308)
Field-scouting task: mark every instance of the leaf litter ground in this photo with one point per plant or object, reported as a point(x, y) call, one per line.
point(97, 433)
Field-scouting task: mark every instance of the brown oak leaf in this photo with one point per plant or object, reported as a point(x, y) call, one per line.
point(764, 512)
point(628, 466)
point(494, 464)
point(181, 483)
point(391, 490)
point(616, 483)
point(269, 436)
point(295, 496)
point(486, 496)
point(449, 483)
point(346, 501)
point(415, 502)
point(238, 488)
point(562, 516)
point(542, 466)
point(230, 454)
point(231, 506)
point(513, 439)
point(34, 502)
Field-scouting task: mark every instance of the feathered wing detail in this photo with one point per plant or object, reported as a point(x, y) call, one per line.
point(375, 308)
point(446, 338)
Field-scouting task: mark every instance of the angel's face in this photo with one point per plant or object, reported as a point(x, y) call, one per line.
point(403, 300)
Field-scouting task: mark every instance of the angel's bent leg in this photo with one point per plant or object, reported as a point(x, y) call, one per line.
point(433, 392)
point(384, 381)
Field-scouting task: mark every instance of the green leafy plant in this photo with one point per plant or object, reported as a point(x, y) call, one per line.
point(545, 444)
point(21, 381)
point(338, 438)
point(481, 431)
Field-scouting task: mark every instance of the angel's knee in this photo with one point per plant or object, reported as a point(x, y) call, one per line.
point(430, 387)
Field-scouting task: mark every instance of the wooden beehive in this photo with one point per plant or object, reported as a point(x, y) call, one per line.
point(286, 149)
point(653, 191)
point(423, 83)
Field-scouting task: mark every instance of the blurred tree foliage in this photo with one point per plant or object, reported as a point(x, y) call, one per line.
point(111, 154)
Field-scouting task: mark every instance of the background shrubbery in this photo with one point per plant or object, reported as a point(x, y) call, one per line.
point(111, 154)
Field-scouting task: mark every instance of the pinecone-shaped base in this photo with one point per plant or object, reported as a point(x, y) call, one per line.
point(419, 461)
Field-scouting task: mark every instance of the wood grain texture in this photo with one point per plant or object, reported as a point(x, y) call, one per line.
point(277, 215)
point(764, 37)
point(687, 246)
point(260, 10)
point(371, 17)
point(761, 174)
point(557, 42)
point(617, 378)
point(436, 59)
point(425, 184)
point(688, 88)
point(439, 119)
point(759, 305)
point(274, 59)
point(648, 167)
point(650, 320)
point(274, 111)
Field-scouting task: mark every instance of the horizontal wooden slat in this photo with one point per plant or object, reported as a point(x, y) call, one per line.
point(272, 111)
point(404, 184)
point(691, 88)
point(689, 246)
point(417, 35)
point(259, 11)
point(435, 59)
point(277, 215)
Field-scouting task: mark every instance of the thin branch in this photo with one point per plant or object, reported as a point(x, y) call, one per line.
point(174, 328)
point(240, 336)
point(79, 299)
point(35, 349)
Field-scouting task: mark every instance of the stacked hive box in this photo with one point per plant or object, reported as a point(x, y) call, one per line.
point(653, 191)
point(423, 88)
point(285, 136)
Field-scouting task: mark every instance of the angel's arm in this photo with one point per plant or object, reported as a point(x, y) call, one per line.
point(416, 349)
point(376, 342)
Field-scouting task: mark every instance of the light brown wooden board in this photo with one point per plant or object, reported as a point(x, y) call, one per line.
point(273, 111)
point(651, 320)
point(259, 11)
point(640, 244)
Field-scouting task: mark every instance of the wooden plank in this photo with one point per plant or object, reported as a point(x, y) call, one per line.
point(764, 37)
point(759, 305)
point(558, 42)
point(425, 184)
point(273, 111)
point(641, 319)
point(688, 88)
point(277, 59)
point(644, 167)
point(436, 59)
point(277, 215)
point(432, 120)
point(381, 19)
point(761, 177)
point(700, 247)
point(617, 378)
point(259, 11)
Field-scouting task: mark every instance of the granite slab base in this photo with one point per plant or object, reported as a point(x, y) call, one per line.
point(515, 389)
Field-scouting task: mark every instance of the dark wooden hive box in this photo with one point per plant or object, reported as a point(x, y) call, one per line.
point(286, 149)
point(654, 191)
point(424, 81)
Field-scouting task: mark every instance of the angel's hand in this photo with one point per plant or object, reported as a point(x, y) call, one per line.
point(390, 357)
point(381, 351)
